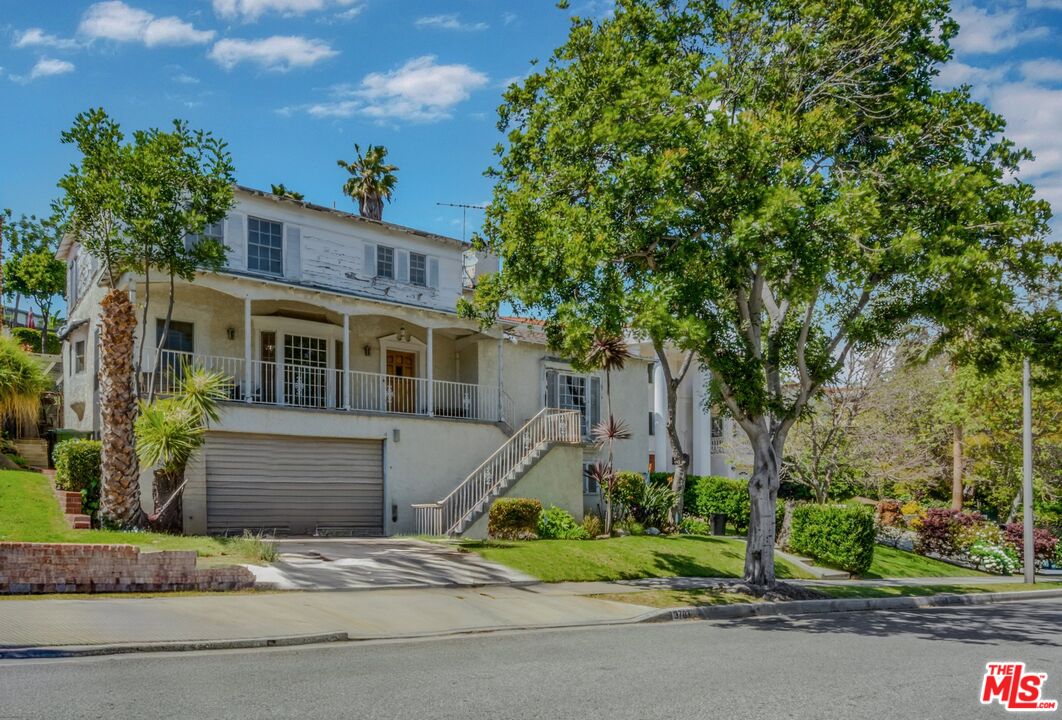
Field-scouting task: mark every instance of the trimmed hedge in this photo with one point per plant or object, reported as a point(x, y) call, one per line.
point(514, 518)
point(77, 469)
point(838, 535)
point(709, 495)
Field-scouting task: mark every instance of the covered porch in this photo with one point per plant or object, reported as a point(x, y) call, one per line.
point(333, 353)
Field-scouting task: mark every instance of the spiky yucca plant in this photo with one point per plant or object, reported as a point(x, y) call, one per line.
point(169, 432)
point(608, 352)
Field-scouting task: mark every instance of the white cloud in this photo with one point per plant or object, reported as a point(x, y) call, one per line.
point(449, 22)
point(35, 37)
point(1045, 4)
point(418, 91)
point(185, 79)
point(508, 18)
point(250, 10)
point(280, 52)
point(957, 73)
point(45, 67)
point(983, 32)
point(350, 13)
point(1045, 71)
point(114, 20)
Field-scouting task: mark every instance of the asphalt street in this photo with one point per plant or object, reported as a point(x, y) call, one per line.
point(916, 664)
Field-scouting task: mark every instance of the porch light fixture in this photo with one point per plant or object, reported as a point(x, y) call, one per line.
point(368, 350)
point(403, 336)
point(230, 332)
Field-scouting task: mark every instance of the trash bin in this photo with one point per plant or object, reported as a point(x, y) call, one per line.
point(718, 524)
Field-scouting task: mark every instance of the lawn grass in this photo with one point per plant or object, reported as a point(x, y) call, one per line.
point(29, 512)
point(706, 597)
point(890, 562)
point(623, 558)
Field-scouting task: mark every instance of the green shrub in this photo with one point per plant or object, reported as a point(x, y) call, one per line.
point(514, 518)
point(77, 469)
point(645, 503)
point(556, 523)
point(838, 535)
point(693, 525)
point(592, 525)
point(710, 495)
point(631, 527)
point(31, 337)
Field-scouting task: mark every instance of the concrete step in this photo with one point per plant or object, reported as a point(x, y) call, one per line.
point(78, 521)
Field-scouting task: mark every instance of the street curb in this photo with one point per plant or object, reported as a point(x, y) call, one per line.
point(71, 651)
point(840, 605)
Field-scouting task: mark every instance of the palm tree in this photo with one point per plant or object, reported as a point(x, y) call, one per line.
point(609, 352)
point(281, 191)
point(22, 380)
point(371, 180)
point(169, 432)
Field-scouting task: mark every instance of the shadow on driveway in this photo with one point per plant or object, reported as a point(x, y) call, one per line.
point(352, 564)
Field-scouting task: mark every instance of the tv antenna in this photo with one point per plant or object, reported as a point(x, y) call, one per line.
point(464, 214)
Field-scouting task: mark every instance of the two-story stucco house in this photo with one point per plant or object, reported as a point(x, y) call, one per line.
point(360, 402)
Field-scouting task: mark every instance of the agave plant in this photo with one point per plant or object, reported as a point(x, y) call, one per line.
point(169, 432)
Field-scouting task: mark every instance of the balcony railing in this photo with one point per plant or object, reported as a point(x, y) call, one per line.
point(305, 386)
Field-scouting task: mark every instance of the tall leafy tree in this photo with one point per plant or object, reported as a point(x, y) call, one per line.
point(178, 181)
point(95, 199)
point(372, 180)
point(40, 276)
point(785, 173)
point(135, 206)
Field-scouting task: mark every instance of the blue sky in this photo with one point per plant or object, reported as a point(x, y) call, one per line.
point(293, 84)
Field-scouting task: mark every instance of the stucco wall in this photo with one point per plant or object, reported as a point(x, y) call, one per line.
point(427, 459)
point(556, 479)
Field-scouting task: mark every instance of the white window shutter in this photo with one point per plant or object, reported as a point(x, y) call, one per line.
point(433, 273)
point(402, 265)
point(293, 253)
point(370, 260)
point(595, 402)
point(236, 244)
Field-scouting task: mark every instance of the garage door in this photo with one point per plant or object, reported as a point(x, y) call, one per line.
point(293, 485)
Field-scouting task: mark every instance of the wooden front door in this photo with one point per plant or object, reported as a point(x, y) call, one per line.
point(401, 381)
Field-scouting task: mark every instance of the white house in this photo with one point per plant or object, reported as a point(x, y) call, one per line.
point(360, 403)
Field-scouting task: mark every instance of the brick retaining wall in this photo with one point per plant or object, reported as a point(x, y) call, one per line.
point(27, 568)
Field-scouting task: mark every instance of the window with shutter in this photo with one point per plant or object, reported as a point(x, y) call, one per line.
point(370, 260)
point(385, 262)
point(595, 404)
point(433, 273)
point(551, 389)
point(402, 266)
point(418, 269)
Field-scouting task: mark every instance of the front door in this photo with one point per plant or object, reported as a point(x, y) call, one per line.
point(401, 381)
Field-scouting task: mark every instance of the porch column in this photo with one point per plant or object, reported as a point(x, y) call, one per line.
point(278, 369)
point(248, 393)
point(660, 439)
point(701, 442)
point(501, 368)
point(346, 361)
point(431, 376)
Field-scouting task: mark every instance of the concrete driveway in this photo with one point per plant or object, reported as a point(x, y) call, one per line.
point(360, 564)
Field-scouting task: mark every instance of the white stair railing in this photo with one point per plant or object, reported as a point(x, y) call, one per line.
point(549, 426)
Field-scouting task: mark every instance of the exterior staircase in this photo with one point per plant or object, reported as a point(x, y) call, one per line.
point(469, 501)
point(33, 451)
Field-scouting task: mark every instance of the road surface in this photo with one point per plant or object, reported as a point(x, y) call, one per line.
point(915, 664)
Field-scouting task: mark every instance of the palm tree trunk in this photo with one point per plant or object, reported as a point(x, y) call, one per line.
point(167, 517)
point(120, 476)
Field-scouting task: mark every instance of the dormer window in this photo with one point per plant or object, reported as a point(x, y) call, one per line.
point(385, 262)
point(418, 269)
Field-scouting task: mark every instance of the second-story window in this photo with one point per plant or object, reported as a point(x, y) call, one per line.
point(385, 262)
point(418, 269)
point(265, 246)
point(211, 231)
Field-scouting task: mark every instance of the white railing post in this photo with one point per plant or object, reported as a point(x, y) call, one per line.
point(247, 345)
point(346, 361)
point(279, 399)
point(431, 374)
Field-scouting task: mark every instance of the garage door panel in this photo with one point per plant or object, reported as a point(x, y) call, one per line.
point(293, 484)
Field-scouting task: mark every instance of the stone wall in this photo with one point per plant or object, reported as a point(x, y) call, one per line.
point(27, 568)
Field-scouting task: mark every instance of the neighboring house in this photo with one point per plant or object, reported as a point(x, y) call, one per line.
point(360, 402)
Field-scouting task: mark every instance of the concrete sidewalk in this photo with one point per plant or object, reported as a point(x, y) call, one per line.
point(42, 623)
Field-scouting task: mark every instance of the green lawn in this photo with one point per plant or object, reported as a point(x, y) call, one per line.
point(623, 558)
point(29, 512)
point(863, 591)
point(892, 563)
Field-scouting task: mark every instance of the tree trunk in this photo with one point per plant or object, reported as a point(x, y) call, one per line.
point(763, 493)
point(956, 467)
point(168, 517)
point(44, 331)
point(120, 477)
